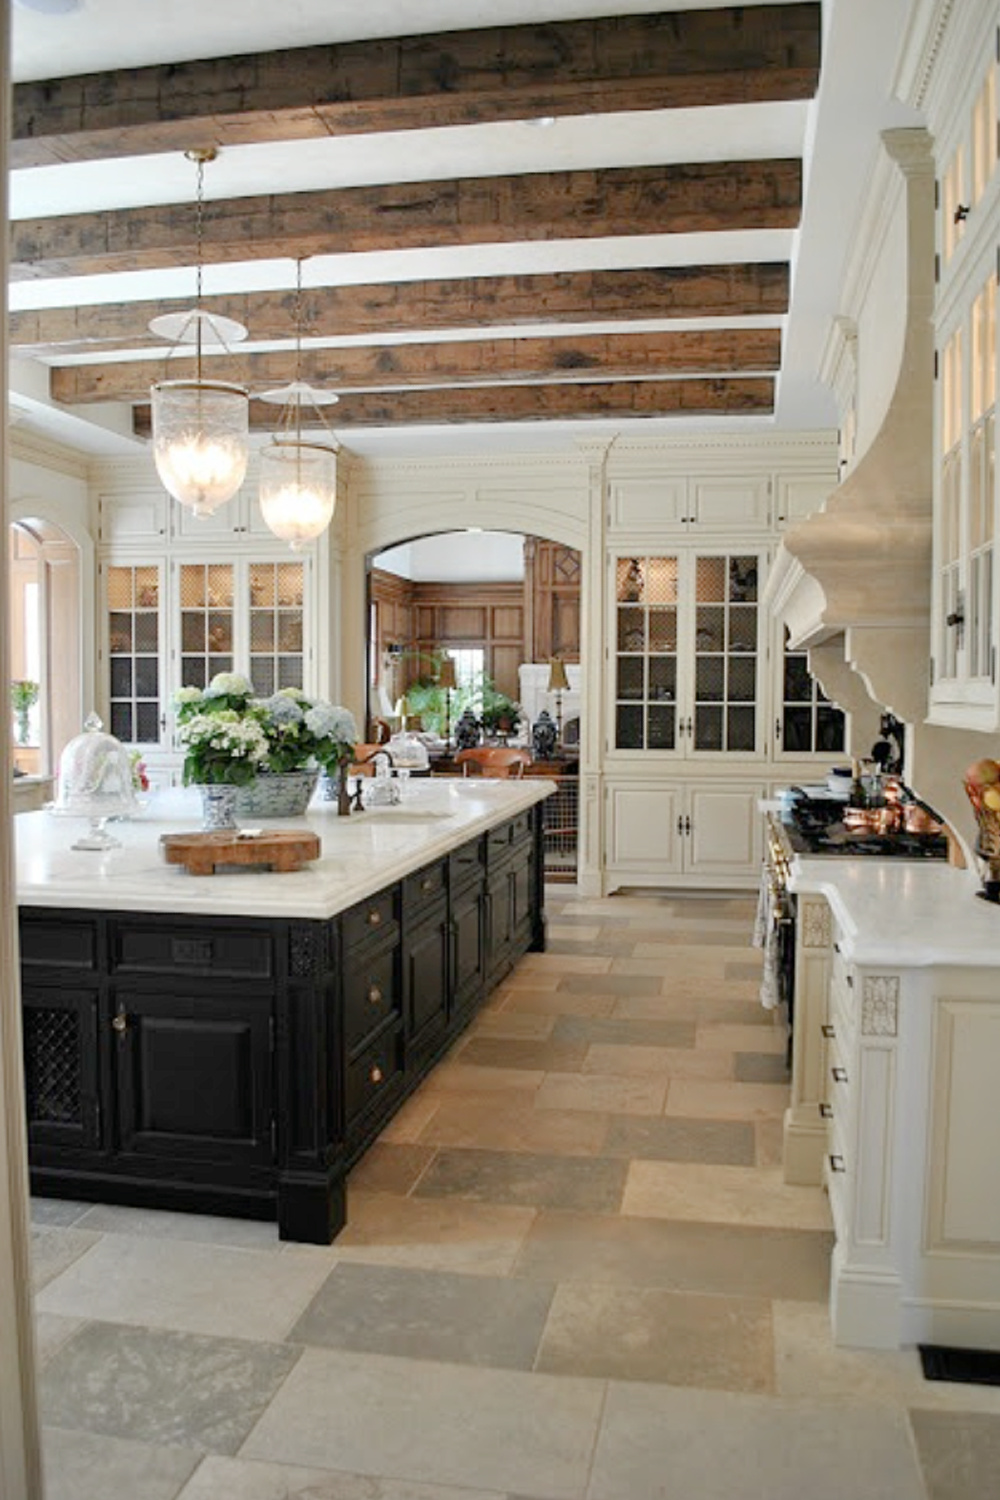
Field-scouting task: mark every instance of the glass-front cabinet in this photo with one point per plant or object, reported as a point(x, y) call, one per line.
point(177, 624)
point(689, 646)
point(806, 722)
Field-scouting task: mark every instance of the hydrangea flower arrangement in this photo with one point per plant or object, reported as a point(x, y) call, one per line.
point(221, 748)
point(298, 733)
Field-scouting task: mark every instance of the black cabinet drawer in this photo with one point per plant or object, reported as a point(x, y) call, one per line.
point(372, 1075)
point(371, 995)
point(143, 947)
point(58, 940)
point(467, 864)
point(520, 828)
point(423, 887)
point(378, 916)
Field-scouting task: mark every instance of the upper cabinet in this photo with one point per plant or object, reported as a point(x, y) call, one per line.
point(692, 505)
point(135, 520)
point(964, 689)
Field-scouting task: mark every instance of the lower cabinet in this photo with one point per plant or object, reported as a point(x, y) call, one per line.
point(240, 1066)
point(707, 832)
point(192, 1077)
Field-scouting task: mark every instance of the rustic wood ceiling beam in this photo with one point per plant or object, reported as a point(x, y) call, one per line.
point(674, 59)
point(474, 361)
point(414, 306)
point(531, 403)
point(684, 199)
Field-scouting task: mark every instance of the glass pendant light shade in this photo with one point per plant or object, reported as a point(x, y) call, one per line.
point(200, 441)
point(298, 488)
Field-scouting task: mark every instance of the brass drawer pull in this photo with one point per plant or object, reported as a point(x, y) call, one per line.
point(374, 918)
point(828, 1030)
point(839, 1075)
point(376, 1075)
point(837, 1164)
point(826, 1110)
point(375, 995)
point(427, 884)
point(119, 1023)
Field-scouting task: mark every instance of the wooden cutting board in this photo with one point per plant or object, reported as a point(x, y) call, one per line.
point(278, 850)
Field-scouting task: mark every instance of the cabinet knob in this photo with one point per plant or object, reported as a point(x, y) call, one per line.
point(119, 1023)
point(376, 1075)
point(374, 918)
point(839, 1075)
point(427, 884)
point(375, 995)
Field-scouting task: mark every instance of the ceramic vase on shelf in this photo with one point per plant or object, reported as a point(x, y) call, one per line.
point(218, 807)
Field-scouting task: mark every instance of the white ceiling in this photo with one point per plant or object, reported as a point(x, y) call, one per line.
point(836, 134)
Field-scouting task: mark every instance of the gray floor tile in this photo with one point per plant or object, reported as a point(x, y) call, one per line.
point(679, 1338)
point(162, 1387)
point(734, 1260)
point(586, 1184)
point(760, 1067)
point(86, 1466)
point(241, 1479)
point(662, 1443)
point(444, 1424)
point(475, 1320)
point(389, 1168)
point(959, 1453)
point(54, 1251)
point(609, 984)
point(610, 1031)
point(160, 1224)
point(57, 1211)
point(718, 1142)
point(556, 1055)
point(51, 1332)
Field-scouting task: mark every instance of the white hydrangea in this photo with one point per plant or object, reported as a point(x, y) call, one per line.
point(186, 695)
point(229, 685)
point(330, 722)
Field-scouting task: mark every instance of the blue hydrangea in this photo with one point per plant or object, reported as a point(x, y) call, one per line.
point(329, 722)
point(281, 709)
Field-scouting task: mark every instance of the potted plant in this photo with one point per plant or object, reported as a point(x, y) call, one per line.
point(500, 714)
point(23, 697)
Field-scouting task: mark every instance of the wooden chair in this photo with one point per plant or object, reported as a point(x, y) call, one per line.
point(493, 760)
point(363, 763)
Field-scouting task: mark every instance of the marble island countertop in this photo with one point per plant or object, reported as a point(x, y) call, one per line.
point(908, 913)
point(359, 855)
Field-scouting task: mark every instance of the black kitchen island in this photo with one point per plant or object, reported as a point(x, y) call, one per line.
point(232, 1044)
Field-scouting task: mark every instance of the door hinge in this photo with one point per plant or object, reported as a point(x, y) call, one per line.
point(935, 364)
point(937, 268)
point(932, 671)
point(937, 193)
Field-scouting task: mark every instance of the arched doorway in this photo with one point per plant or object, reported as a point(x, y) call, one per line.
point(502, 610)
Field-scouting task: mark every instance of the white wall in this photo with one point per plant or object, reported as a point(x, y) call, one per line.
point(458, 557)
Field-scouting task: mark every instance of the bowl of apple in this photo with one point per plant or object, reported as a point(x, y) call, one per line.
point(982, 786)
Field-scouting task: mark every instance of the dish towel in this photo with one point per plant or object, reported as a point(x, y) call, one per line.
point(765, 936)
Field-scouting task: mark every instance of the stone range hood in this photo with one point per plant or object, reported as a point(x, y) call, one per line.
point(853, 582)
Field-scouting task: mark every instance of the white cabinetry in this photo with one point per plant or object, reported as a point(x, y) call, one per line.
point(655, 830)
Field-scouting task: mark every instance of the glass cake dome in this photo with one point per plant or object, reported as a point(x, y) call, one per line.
point(95, 782)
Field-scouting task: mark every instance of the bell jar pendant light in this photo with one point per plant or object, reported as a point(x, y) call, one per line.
point(298, 476)
point(201, 428)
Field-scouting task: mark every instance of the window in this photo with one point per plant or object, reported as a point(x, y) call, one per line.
point(984, 134)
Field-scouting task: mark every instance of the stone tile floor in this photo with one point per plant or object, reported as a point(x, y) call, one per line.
point(572, 1271)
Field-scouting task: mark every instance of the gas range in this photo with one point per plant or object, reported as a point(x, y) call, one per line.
point(816, 828)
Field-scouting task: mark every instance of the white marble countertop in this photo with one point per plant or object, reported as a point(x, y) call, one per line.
point(359, 855)
point(908, 913)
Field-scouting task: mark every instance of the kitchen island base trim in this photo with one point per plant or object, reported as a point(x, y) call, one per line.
point(241, 1065)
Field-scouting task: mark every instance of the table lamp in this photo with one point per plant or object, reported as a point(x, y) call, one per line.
point(558, 684)
point(447, 681)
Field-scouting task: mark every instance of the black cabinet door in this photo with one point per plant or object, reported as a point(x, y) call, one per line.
point(61, 1065)
point(193, 1076)
point(500, 919)
point(426, 966)
point(469, 935)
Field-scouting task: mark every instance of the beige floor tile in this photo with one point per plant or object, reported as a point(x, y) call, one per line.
point(241, 1479)
point(559, 1003)
point(504, 1430)
point(440, 1234)
point(525, 1056)
point(467, 1078)
point(678, 1338)
point(564, 963)
point(722, 1195)
point(523, 1025)
point(657, 1062)
point(808, 1361)
point(770, 1142)
point(725, 1101)
point(661, 1007)
point(500, 1128)
point(405, 1127)
point(389, 1168)
point(625, 1096)
point(732, 1037)
point(570, 932)
point(533, 979)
